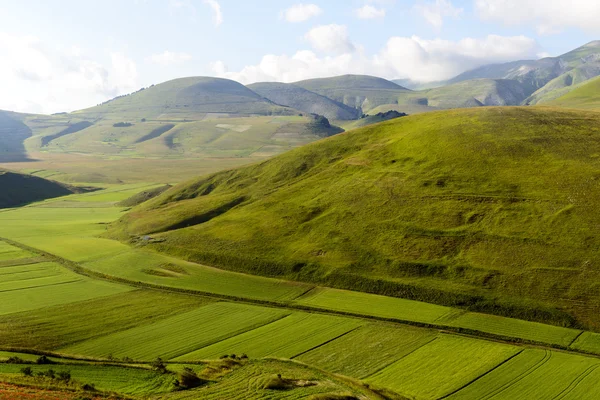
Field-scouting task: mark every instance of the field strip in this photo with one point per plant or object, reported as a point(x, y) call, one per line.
point(22, 261)
point(482, 375)
point(468, 332)
point(40, 286)
point(324, 343)
point(576, 382)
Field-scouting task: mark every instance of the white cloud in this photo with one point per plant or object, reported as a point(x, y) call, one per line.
point(548, 16)
point(217, 14)
point(301, 12)
point(369, 12)
point(36, 76)
point(401, 57)
point(435, 12)
point(330, 39)
point(167, 58)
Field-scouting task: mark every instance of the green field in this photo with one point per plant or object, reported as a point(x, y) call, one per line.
point(181, 334)
point(442, 366)
point(563, 376)
point(367, 349)
point(287, 338)
point(50, 328)
point(379, 306)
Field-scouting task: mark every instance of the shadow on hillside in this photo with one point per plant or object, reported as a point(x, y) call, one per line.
point(13, 134)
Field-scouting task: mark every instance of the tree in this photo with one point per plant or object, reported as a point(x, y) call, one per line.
point(159, 365)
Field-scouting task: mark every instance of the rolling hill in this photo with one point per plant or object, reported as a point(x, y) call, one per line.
point(188, 96)
point(585, 95)
point(13, 133)
point(441, 207)
point(361, 92)
point(19, 189)
point(304, 100)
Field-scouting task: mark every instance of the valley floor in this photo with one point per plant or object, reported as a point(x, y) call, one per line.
point(66, 291)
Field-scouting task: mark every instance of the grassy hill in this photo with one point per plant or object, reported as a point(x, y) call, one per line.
point(564, 84)
point(304, 100)
point(187, 96)
point(585, 95)
point(493, 209)
point(360, 92)
point(19, 189)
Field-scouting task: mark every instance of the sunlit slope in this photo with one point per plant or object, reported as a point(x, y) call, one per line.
point(491, 208)
point(585, 96)
point(17, 189)
point(189, 96)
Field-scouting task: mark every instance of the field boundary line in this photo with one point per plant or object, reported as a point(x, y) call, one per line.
point(40, 286)
point(467, 332)
point(575, 339)
point(326, 342)
point(378, 370)
point(482, 375)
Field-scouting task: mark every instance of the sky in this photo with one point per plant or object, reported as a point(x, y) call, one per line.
point(64, 55)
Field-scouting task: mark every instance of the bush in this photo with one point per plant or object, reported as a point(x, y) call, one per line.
point(88, 387)
point(27, 371)
point(15, 360)
point(122, 125)
point(159, 365)
point(64, 376)
point(189, 379)
point(43, 360)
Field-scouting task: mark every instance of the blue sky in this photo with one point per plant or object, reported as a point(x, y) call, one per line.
point(69, 54)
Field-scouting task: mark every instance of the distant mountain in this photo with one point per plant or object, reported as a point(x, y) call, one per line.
point(190, 95)
point(535, 74)
point(586, 95)
point(361, 92)
point(18, 189)
point(304, 100)
point(13, 133)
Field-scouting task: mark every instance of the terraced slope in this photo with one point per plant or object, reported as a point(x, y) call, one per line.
point(492, 209)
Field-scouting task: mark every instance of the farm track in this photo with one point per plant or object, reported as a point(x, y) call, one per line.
point(472, 333)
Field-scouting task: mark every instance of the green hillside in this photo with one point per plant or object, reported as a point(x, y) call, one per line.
point(304, 100)
point(585, 95)
point(361, 92)
point(185, 96)
point(564, 84)
point(442, 207)
point(18, 189)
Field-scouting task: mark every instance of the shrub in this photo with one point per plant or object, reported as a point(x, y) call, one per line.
point(64, 376)
point(43, 360)
point(27, 371)
point(15, 360)
point(88, 387)
point(159, 365)
point(122, 124)
point(189, 379)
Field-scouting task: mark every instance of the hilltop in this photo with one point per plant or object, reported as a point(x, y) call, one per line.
point(440, 207)
point(361, 92)
point(19, 189)
point(304, 100)
point(188, 96)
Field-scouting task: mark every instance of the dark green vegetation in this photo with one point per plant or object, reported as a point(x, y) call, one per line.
point(440, 207)
point(19, 189)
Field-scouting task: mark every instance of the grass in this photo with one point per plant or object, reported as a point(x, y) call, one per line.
point(34, 276)
point(288, 337)
point(50, 328)
point(47, 296)
point(588, 341)
point(367, 349)
point(438, 207)
point(379, 306)
point(442, 366)
point(8, 252)
point(584, 95)
point(247, 383)
point(563, 376)
point(180, 334)
point(510, 327)
point(128, 381)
